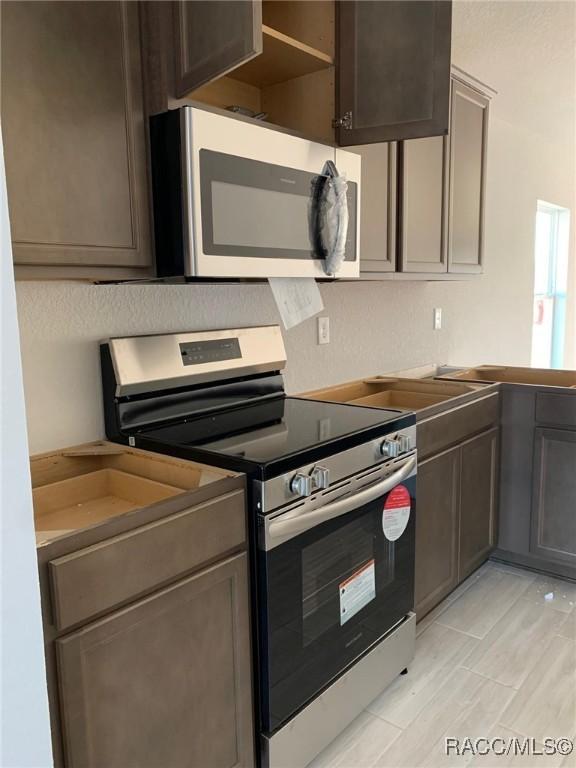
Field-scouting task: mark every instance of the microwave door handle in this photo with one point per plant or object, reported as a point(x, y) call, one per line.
point(340, 507)
point(333, 219)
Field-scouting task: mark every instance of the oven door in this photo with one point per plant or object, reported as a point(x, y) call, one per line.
point(336, 573)
point(254, 200)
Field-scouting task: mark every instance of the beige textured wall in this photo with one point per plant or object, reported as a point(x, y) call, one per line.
point(375, 327)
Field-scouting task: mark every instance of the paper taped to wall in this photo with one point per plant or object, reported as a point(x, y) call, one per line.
point(297, 299)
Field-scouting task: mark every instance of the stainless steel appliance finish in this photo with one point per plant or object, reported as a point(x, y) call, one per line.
point(352, 485)
point(174, 360)
point(345, 498)
point(332, 499)
point(237, 200)
point(312, 729)
point(280, 490)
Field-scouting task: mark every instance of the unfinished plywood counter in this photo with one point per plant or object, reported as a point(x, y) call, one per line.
point(142, 559)
point(506, 374)
point(425, 397)
point(83, 486)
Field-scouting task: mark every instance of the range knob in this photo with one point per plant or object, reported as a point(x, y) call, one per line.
point(405, 443)
point(390, 448)
point(320, 478)
point(301, 484)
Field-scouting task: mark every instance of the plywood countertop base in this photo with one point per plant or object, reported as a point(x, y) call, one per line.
point(423, 396)
point(84, 486)
point(506, 374)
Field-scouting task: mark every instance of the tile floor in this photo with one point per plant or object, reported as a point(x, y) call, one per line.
point(496, 659)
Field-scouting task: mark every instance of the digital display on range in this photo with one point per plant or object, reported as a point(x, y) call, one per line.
point(197, 352)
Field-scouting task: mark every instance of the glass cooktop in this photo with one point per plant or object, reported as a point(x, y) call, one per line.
point(273, 430)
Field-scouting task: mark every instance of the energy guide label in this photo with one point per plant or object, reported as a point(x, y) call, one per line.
point(396, 513)
point(357, 591)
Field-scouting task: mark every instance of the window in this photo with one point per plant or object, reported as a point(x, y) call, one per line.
point(550, 284)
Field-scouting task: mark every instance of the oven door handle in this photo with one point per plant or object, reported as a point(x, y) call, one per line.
point(294, 525)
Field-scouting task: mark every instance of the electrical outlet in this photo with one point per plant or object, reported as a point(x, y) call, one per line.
point(323, 330)
point(437, 318)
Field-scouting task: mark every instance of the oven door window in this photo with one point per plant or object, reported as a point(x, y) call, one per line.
point(330, 594)
point(255, 209)
point(339, 577)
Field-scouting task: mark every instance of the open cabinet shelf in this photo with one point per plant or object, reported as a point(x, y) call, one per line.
point(293, 79)
point(283, 58)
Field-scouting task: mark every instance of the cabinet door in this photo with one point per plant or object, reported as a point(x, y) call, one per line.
point(423, 205)
point(478, 500)
point(468, 143)
point(553, 529)
point(436, 530)
point(212, 38)
point(164, 682)
point(394, 69)
point(378, 207)
point(74, 134)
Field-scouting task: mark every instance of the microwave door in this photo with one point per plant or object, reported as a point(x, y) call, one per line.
point(261, 219)
point(251, 196)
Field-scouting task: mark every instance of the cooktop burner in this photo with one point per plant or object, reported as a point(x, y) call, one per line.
point(273, 430)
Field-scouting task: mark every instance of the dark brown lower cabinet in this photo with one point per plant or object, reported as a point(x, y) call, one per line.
point(478, 501)
point(437, 529)
point(553, 534)
point(537, 525)
point(145, 610)
point(165, 681)
point(456, 518)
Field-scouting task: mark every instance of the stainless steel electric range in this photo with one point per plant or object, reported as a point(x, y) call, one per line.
point(331, 515)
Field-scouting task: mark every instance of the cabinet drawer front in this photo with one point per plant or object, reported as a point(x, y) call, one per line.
point(100, 577)
point(446, 429)
point(556, 409)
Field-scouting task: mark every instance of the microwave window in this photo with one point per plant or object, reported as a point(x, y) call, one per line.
point(259, 218)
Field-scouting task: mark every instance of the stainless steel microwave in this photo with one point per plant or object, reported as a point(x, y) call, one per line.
point(237, 200)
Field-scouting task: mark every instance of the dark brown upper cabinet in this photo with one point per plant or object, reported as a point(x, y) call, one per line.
point(75, 139)
point(379, 206)
point(468, 147)
point(284, 58)
point(423, 184)
point(394, 70)
point(273, 58)
point(213, 38)
point(440, 182)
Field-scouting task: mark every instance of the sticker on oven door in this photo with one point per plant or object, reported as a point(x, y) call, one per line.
point(396, 513)
point(357, 591)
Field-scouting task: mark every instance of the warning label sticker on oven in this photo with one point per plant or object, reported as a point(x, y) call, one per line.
point(357, 591)
point(396, 513)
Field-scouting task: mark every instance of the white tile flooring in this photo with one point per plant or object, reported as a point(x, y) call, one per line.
point(496, 659)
